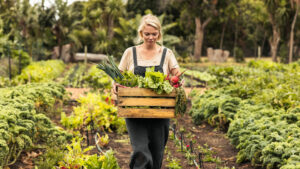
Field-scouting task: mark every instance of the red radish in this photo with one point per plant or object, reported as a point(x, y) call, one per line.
point(175, 79)
point(176, 85)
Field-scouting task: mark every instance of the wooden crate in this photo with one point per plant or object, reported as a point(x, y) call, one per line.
point(132, 103)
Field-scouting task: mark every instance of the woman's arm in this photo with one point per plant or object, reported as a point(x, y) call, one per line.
point(175, 72)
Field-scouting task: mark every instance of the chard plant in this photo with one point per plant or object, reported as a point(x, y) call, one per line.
point(94, 109)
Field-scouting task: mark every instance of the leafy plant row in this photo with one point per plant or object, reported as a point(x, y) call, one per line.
point(43, 71)
point(260, 105)
point(22, 126)
point(82, 76)
point(203, 77)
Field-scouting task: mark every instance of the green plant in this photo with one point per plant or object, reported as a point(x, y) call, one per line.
point(43, 71)
point(239, 54)
point(174, 164)
point(102, 140)
point(51, 157)
point(22, 126)
point(76, 158)
point(96, 110)
point(261, 107)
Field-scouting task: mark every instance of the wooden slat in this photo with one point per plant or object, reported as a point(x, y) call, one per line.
point(142, 92)
point(146, 113)
point(163, 102)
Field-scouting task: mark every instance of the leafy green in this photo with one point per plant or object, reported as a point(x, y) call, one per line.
point(155, 81)
point(129, 79)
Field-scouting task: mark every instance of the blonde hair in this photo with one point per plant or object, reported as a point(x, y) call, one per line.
point(150, 20)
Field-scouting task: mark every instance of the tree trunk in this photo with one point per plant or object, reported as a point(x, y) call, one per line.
point(197, 50)
point(110, 27)
point(274, 40)
point(199, 35)
point(60, 46)
point(235, 37)
point(292, 33)
point(263, 44)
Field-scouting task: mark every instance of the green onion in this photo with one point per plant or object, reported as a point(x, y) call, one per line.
point(111, 69)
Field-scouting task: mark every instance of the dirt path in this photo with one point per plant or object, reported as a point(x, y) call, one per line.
point(205, 135)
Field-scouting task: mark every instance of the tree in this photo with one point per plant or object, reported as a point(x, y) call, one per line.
point(140, 6)
point(113, 10)
point(277, 13)
point(98, 23)
point(60, 25)
point(253, 17)
point(202, 12)
point(294, 4)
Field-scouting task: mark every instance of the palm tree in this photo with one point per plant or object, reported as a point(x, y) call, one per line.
point(113, 10)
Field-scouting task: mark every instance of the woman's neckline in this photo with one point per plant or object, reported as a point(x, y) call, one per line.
point(138, 53)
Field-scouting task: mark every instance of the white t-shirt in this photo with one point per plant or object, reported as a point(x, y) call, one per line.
point(127, 63)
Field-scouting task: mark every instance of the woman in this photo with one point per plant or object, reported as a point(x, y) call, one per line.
point(148, 137)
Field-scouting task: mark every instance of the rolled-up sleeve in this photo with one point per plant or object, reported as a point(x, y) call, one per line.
point(123, 66)
point(172, 61)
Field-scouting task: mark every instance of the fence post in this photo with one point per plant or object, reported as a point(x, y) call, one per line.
point(85, 55)
point(259, 52)
point(20, 67)
point(174, 127)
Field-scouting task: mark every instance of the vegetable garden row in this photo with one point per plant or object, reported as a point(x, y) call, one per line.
point(257, 105)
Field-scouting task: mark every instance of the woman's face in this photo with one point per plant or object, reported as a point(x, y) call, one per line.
point(150, 35)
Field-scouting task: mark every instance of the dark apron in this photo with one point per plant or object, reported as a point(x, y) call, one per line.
point(148, 137)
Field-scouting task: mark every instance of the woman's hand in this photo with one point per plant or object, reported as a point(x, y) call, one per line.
point(114, 88)
point(175, 72)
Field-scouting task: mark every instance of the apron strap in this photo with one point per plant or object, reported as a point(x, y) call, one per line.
point(163, 57)
point(134, 56)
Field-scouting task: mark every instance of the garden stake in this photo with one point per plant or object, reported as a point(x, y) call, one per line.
point(174, 127)
point(196, 164)
point(181, 140)
point(191, 146)
point(87, 137)
point(200, 161)
point(92, 129)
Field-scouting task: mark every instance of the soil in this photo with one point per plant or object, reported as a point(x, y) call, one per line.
point(202, 135)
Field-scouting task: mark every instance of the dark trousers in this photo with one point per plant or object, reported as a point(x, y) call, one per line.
point(148, 138)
